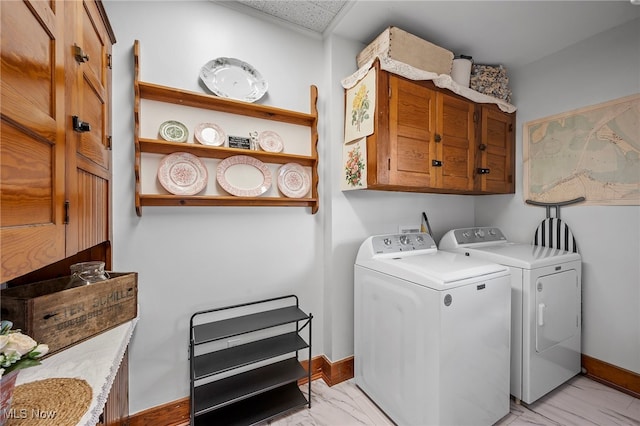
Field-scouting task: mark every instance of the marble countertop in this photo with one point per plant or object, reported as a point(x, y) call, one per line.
point(95, 360)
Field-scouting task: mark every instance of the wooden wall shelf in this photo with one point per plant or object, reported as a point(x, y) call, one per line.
point(248, 111)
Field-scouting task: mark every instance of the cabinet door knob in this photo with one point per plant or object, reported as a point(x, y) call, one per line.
point(79, 54)
point(438, 137)
point(482, 147)
point(482, 171)
point(436, 163)
point(80, 126)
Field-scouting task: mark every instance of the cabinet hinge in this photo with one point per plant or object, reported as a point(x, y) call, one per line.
point(388, 163)
point(475, 117)
point(389, 92)
point(66, 212)
point(109, 143)
point(511, 127)
point(109, 61)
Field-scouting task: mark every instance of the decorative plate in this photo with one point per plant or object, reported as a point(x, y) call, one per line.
point(233, 78)
point(293, 180)
point(270, 141)
point(210, 134)
point(173, 131)
point(243, 176)
point(182, 173)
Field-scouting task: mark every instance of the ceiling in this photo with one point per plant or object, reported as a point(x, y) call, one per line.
point(511, 33)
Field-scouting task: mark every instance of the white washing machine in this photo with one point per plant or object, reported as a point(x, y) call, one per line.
point(431, 333)
point(545, 307)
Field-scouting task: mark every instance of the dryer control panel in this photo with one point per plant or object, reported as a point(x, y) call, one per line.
point(465, 236)
point(397, 243)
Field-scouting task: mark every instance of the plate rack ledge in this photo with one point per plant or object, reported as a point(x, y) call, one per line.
point(249, 111)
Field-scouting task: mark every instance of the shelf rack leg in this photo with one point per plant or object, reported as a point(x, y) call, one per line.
point(309, 370)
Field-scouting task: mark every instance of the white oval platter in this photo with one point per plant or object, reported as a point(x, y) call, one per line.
point(243, 176)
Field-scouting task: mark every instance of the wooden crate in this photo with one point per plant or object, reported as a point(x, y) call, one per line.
point(404, 47)
point(60, 315)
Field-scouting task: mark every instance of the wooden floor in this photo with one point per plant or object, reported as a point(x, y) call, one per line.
point(579, 402)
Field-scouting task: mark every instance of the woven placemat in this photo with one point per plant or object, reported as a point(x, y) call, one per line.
point(58, 401)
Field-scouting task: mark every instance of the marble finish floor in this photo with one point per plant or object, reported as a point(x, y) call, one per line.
point(579, 402)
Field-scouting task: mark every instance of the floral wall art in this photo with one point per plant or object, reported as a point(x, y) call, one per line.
point(358, 124)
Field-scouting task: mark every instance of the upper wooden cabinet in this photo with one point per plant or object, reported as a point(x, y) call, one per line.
point(54, 192)
point(428, 139)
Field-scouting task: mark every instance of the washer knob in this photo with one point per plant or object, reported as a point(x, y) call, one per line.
point(387, 241)
point(404, 240)
point(479, 233)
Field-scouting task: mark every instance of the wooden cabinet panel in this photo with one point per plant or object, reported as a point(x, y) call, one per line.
point(496, 148)
point(32, 137)
point(89, 154)
point(456, 131)
point(411, 127)
point(93, 209)
point(116, 409)
point(94, 90)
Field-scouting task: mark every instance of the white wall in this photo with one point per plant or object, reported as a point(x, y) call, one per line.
point(192, 258)
point(599, 69)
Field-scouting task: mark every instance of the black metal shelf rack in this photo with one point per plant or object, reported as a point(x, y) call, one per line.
point(226, 387)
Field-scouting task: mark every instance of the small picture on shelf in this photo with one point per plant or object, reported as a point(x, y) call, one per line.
point(239, 142)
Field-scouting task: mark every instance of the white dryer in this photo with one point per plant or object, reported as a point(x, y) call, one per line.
point(432, 330)
point(545, 307)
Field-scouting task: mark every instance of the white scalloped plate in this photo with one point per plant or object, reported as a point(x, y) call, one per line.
point(243, 176)
point(210, 134)
point(182, 173)
point(233, 78)
point(270, 141)
point(293, 180)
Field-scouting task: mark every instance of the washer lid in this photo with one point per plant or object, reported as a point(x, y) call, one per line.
point(524, 256)
point(439, 270)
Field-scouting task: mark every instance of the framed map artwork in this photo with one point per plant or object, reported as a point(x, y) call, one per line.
point(592, 152)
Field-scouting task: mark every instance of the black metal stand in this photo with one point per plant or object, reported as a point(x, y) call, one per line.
point(226, 387)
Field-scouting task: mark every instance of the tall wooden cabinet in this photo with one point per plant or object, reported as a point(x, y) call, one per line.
point(428, 139)
point(55, 159)
point(55, 130)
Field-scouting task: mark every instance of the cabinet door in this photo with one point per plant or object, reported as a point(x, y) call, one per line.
point(411, 131)
point(116, 409)
point(454, 143)
point(32, 148)
point(89, 171)
point(496, 147)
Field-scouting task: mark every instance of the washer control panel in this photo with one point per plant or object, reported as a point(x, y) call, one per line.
point(396, 243)
point(478, 235)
